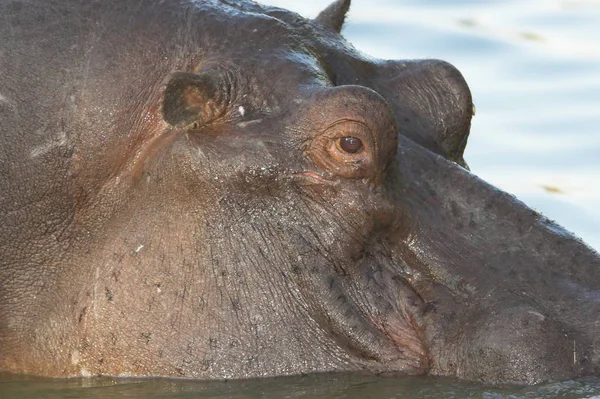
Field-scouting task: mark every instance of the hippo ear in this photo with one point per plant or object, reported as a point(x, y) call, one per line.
point(432, 104)
point(194, 99)
point(333, 17)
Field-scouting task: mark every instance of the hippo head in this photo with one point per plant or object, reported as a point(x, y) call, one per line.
point(256, 198)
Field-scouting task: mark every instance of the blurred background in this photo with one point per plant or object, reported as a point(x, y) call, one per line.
point(534, 70)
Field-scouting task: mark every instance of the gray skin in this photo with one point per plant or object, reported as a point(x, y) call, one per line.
point(180, 197)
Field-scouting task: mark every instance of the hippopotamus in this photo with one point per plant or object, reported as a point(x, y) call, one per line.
point(215, 189)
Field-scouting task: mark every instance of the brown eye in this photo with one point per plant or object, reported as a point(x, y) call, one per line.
point(346, 148)
point(351, 145)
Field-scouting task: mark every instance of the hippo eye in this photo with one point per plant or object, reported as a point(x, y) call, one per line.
point(346, 148)
point(351, 145)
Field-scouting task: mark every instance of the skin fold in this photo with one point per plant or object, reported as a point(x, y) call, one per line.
point(219, 189)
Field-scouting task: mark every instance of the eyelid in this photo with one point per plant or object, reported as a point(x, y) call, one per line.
point(349, 128)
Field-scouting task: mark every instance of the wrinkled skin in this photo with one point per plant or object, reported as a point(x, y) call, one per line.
point(182, 195)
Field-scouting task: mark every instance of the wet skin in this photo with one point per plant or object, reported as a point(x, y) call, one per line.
point(217, 189)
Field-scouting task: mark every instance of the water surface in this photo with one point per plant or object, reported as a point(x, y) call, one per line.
point(326, 386)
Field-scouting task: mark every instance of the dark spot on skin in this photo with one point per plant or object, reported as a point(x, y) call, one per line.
point(430, 192)
point(205, 364)
point(147, 336)
point(472, 223)
point(429, 307)
point(455, 209)
point(108, 294)
point(252, 360)
point(539, 247)
point(119, 256)
point(15, 6)
point(340, 270)
point(489, 204)
point(190, 349)
point(451, 316)
point(330, 281)
point(82, 314)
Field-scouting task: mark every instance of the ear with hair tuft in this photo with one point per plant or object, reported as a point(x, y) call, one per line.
point(333, 17)
point(194, 99)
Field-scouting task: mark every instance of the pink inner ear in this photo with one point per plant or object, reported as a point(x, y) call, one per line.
point(194, 98)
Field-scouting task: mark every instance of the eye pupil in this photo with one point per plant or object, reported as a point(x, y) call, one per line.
point(351, 144)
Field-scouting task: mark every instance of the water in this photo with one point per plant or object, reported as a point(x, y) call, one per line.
point(328, 386)
point(534, 69)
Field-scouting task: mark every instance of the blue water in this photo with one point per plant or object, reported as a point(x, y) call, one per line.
point(534, 70)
